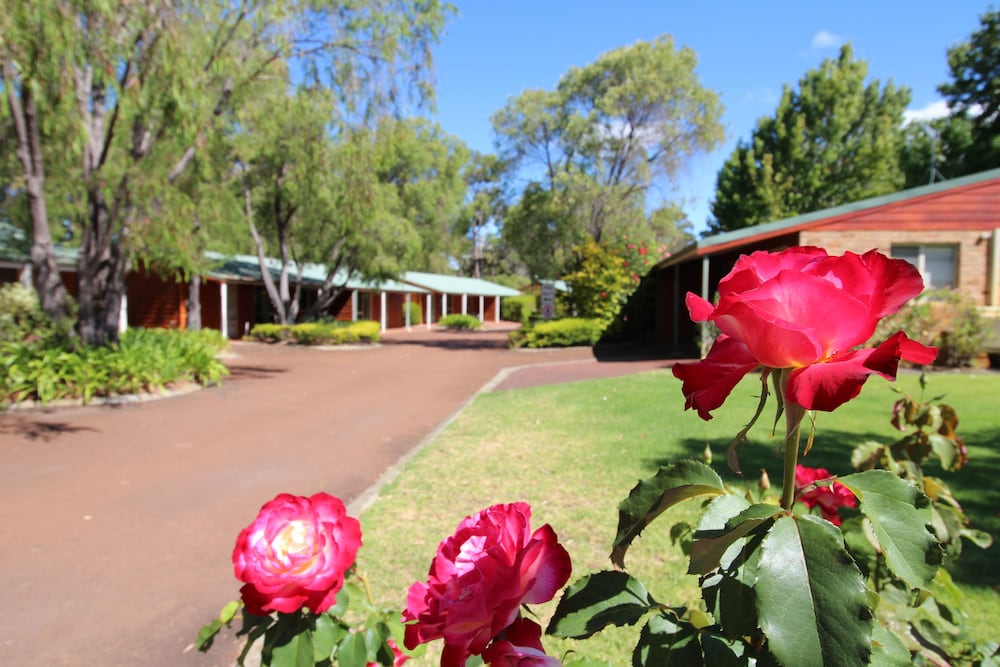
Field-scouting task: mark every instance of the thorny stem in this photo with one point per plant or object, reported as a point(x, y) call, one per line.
point(368, 590)
point(794, 414)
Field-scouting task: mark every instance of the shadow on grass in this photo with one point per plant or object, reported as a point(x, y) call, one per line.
point(975, 486)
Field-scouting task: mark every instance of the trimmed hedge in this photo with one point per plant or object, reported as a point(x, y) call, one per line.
point(317, 333)
point(416, 314)
point(144, 360)
point(557, 333)
point(459, 322)
point(518, 308)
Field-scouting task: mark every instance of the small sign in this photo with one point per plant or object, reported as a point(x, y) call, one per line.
point(548, 300)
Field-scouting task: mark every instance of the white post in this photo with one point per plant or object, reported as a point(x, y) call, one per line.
point(430, 310)
point(354, 306)
point(482, 313)
point(382, 302)
point(224, 308)
point(496, 309)
point(465, 304)
point(407, 311)
point(123, 315)
point(444, 305)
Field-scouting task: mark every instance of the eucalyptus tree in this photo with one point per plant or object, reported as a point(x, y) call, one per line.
point(832, 140)
point(118, 98)
point(597, 148)
point(484, 206)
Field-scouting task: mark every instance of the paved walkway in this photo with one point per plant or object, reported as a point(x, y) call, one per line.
point(118, 522)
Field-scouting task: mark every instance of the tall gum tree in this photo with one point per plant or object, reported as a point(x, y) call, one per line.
point(117, 98)
point(598, 148)
point(832, 140)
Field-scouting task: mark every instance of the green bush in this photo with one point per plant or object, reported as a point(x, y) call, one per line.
point(21, 316)
point(143, 360)
point(557, 333)
point(318, 333)
point(415, 313)
point(518, 308)
point(459, 322)
point(270, 333)
point(946, 319)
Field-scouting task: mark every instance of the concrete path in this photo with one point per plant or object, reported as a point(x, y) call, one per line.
point(118, 522)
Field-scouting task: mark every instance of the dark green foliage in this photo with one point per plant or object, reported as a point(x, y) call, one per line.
point(459, 322)
point(143, 360)
point(317, 333)
point(557, 333)
point(833, 140)
point(518, 308)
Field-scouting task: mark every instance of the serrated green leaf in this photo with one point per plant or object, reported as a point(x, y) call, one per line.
point(326, 633)
point(341, 603)
point(811, 599)
point(207, 635)
point(228, 612)
point(898, 513)
point(666, 641)
point(651, 497)
point(707, 552)
point(598, 600)
point(888, 650)
point(729, 594)
point(945, 449)
point(296, 652)
point(352, 652)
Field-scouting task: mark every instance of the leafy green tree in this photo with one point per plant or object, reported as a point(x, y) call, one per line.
point(968, 140)
point(112, 102)
point(599, 146)
point(832, 140)
point(484, 207)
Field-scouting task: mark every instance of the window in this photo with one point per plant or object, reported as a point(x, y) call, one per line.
point(938, 264)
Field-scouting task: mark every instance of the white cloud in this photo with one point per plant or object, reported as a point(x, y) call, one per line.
point(824, 39)
point(932, 111)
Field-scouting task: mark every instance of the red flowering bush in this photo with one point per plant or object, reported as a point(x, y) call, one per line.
point(804, 310)
point(827, 497)
point(480, 577)
point(295, 554)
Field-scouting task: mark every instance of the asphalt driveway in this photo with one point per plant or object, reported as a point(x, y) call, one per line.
point(119, 522)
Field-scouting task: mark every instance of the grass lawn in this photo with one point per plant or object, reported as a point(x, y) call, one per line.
point(573, 451)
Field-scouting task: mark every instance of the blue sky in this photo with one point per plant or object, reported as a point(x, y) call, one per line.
point(493, 50)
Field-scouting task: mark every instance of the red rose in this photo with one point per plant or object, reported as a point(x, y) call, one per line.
point(807, 311)
point(295, 554)
point(480, 577)
point(829, 498)
point(398, 657)
point(519, 645)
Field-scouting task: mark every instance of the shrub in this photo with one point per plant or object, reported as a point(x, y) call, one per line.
point(459, 322)
point(270, 333)
point(943, 318)
point(21, 316)
point(143, 360)
point(557, 333)
point(518, 308)
point(415, 313)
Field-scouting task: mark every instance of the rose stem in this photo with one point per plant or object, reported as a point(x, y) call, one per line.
point(794, 414)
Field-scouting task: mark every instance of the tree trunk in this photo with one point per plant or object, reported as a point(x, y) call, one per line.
point(101, 268)
point(45, 272)
point(194, 304)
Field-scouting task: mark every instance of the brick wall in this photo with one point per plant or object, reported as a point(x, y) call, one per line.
point(973, 253)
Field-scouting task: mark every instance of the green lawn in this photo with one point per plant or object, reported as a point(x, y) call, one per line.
point(573, 451)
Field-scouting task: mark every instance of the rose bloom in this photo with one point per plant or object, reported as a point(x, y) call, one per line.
point(398, 657)
point(295, 554)
point(480, 577)
point(519, 645)
point(807, 311)
point(828, 498)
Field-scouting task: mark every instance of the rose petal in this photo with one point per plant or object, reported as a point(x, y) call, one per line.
point(707, 383)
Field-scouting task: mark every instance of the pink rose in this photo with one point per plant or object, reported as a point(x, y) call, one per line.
point(807, 311)
point(295, 554)
point(829, 498)
point(519, 645)
point(480, 577)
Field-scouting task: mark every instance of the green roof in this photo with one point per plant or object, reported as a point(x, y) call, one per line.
point(704, 245)
point(436, 282)
point(247, 268)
